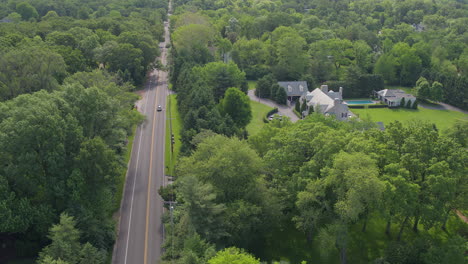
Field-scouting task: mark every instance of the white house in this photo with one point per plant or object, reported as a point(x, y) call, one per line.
point(393, 97)
point(327, 102)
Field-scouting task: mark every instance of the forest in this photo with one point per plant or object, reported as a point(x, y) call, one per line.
point(316, 191)
point(68, 71)
point(319, 190)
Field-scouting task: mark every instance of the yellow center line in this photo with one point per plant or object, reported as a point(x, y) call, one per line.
point(148, 200)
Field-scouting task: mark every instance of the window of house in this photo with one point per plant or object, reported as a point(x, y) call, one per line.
point(289, 88)
point(301, 88)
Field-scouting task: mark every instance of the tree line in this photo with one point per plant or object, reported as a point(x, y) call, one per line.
point(326, 179)
point(67, 72)
point(359, 43)
point(330, 180)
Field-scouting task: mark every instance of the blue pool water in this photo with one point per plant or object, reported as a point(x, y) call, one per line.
point(360, 102)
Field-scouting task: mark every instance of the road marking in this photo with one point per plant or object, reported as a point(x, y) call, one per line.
point(134, 178)
point(148, 200)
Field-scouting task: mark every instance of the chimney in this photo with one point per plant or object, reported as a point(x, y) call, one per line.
point(324, 88)
point(341, 91)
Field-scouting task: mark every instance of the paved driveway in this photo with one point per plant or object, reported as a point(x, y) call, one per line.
point(282, 109)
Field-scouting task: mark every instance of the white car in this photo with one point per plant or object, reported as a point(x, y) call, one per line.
point(159, 108)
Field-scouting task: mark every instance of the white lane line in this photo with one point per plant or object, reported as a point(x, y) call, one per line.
point(136, 173)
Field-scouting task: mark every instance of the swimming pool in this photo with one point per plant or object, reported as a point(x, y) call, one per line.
point(359, 102)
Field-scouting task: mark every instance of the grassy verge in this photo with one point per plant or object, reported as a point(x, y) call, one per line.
point(259, 111)
point(126, 156)
point(442, 118)
point(252, 84)
point(172, 115)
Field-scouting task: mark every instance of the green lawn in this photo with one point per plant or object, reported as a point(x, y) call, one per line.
point(442, 118)
point(252, 84)
point(172, 114)
point(259, 111)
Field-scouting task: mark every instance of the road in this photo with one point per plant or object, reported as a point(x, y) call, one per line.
point(140, 233)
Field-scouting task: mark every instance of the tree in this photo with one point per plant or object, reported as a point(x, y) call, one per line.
point(403, 103)
point(26, 11)
point(408, 104)
point(298, 106)
point(29, 70)
point(292, 58)
point(237, 105)
point(220, 76)
point(423, 88)
point(66, 248)
point(233, 256)
point(264, 86)
point(280, 95)
point(386, 66)
point(436, 91)
point(65, 241)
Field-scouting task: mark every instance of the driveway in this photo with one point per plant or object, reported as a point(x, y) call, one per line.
point(442, 106)
point(282, 109)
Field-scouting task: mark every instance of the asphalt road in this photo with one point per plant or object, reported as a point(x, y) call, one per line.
point(140, 233)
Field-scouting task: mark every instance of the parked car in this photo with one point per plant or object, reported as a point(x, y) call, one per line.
point(159, 108)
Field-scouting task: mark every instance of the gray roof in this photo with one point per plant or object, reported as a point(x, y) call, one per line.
point(298, 88)
point(395, 94)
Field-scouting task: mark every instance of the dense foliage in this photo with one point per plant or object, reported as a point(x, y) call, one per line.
point(67, 70)
point(326, 179)
point(361, 43)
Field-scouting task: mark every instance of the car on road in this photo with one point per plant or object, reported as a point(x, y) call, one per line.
point(159, 108)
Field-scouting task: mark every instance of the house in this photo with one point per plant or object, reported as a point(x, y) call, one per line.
point(327, 102)
point(393, 97)
point(294, 90)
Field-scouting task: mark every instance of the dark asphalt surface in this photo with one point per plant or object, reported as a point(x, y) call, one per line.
point(140, 233)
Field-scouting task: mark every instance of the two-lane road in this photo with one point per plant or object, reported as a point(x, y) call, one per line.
point(140, 233)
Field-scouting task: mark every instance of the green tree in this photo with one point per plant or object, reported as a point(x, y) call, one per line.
point(65, 241)
point(292, 58)
point(280, 95)
point(26, 11)
point(403, 103)
point(220, 76)
point(237, 105)
point(423, 88)
point(386, 65)
point(233, 256)
point(436, 91)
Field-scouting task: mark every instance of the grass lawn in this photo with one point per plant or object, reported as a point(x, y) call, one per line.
point(259, 111)
point(172, 114)
point(442, 118)
point(252, 84)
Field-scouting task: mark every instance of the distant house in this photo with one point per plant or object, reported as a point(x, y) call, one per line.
point(327, 102)
point(294, 90)
point(393, 97)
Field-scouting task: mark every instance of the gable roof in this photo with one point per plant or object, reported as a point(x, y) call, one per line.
point(298, 88)
point(395, 94)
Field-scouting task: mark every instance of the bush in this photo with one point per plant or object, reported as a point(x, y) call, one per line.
point(273, 111)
